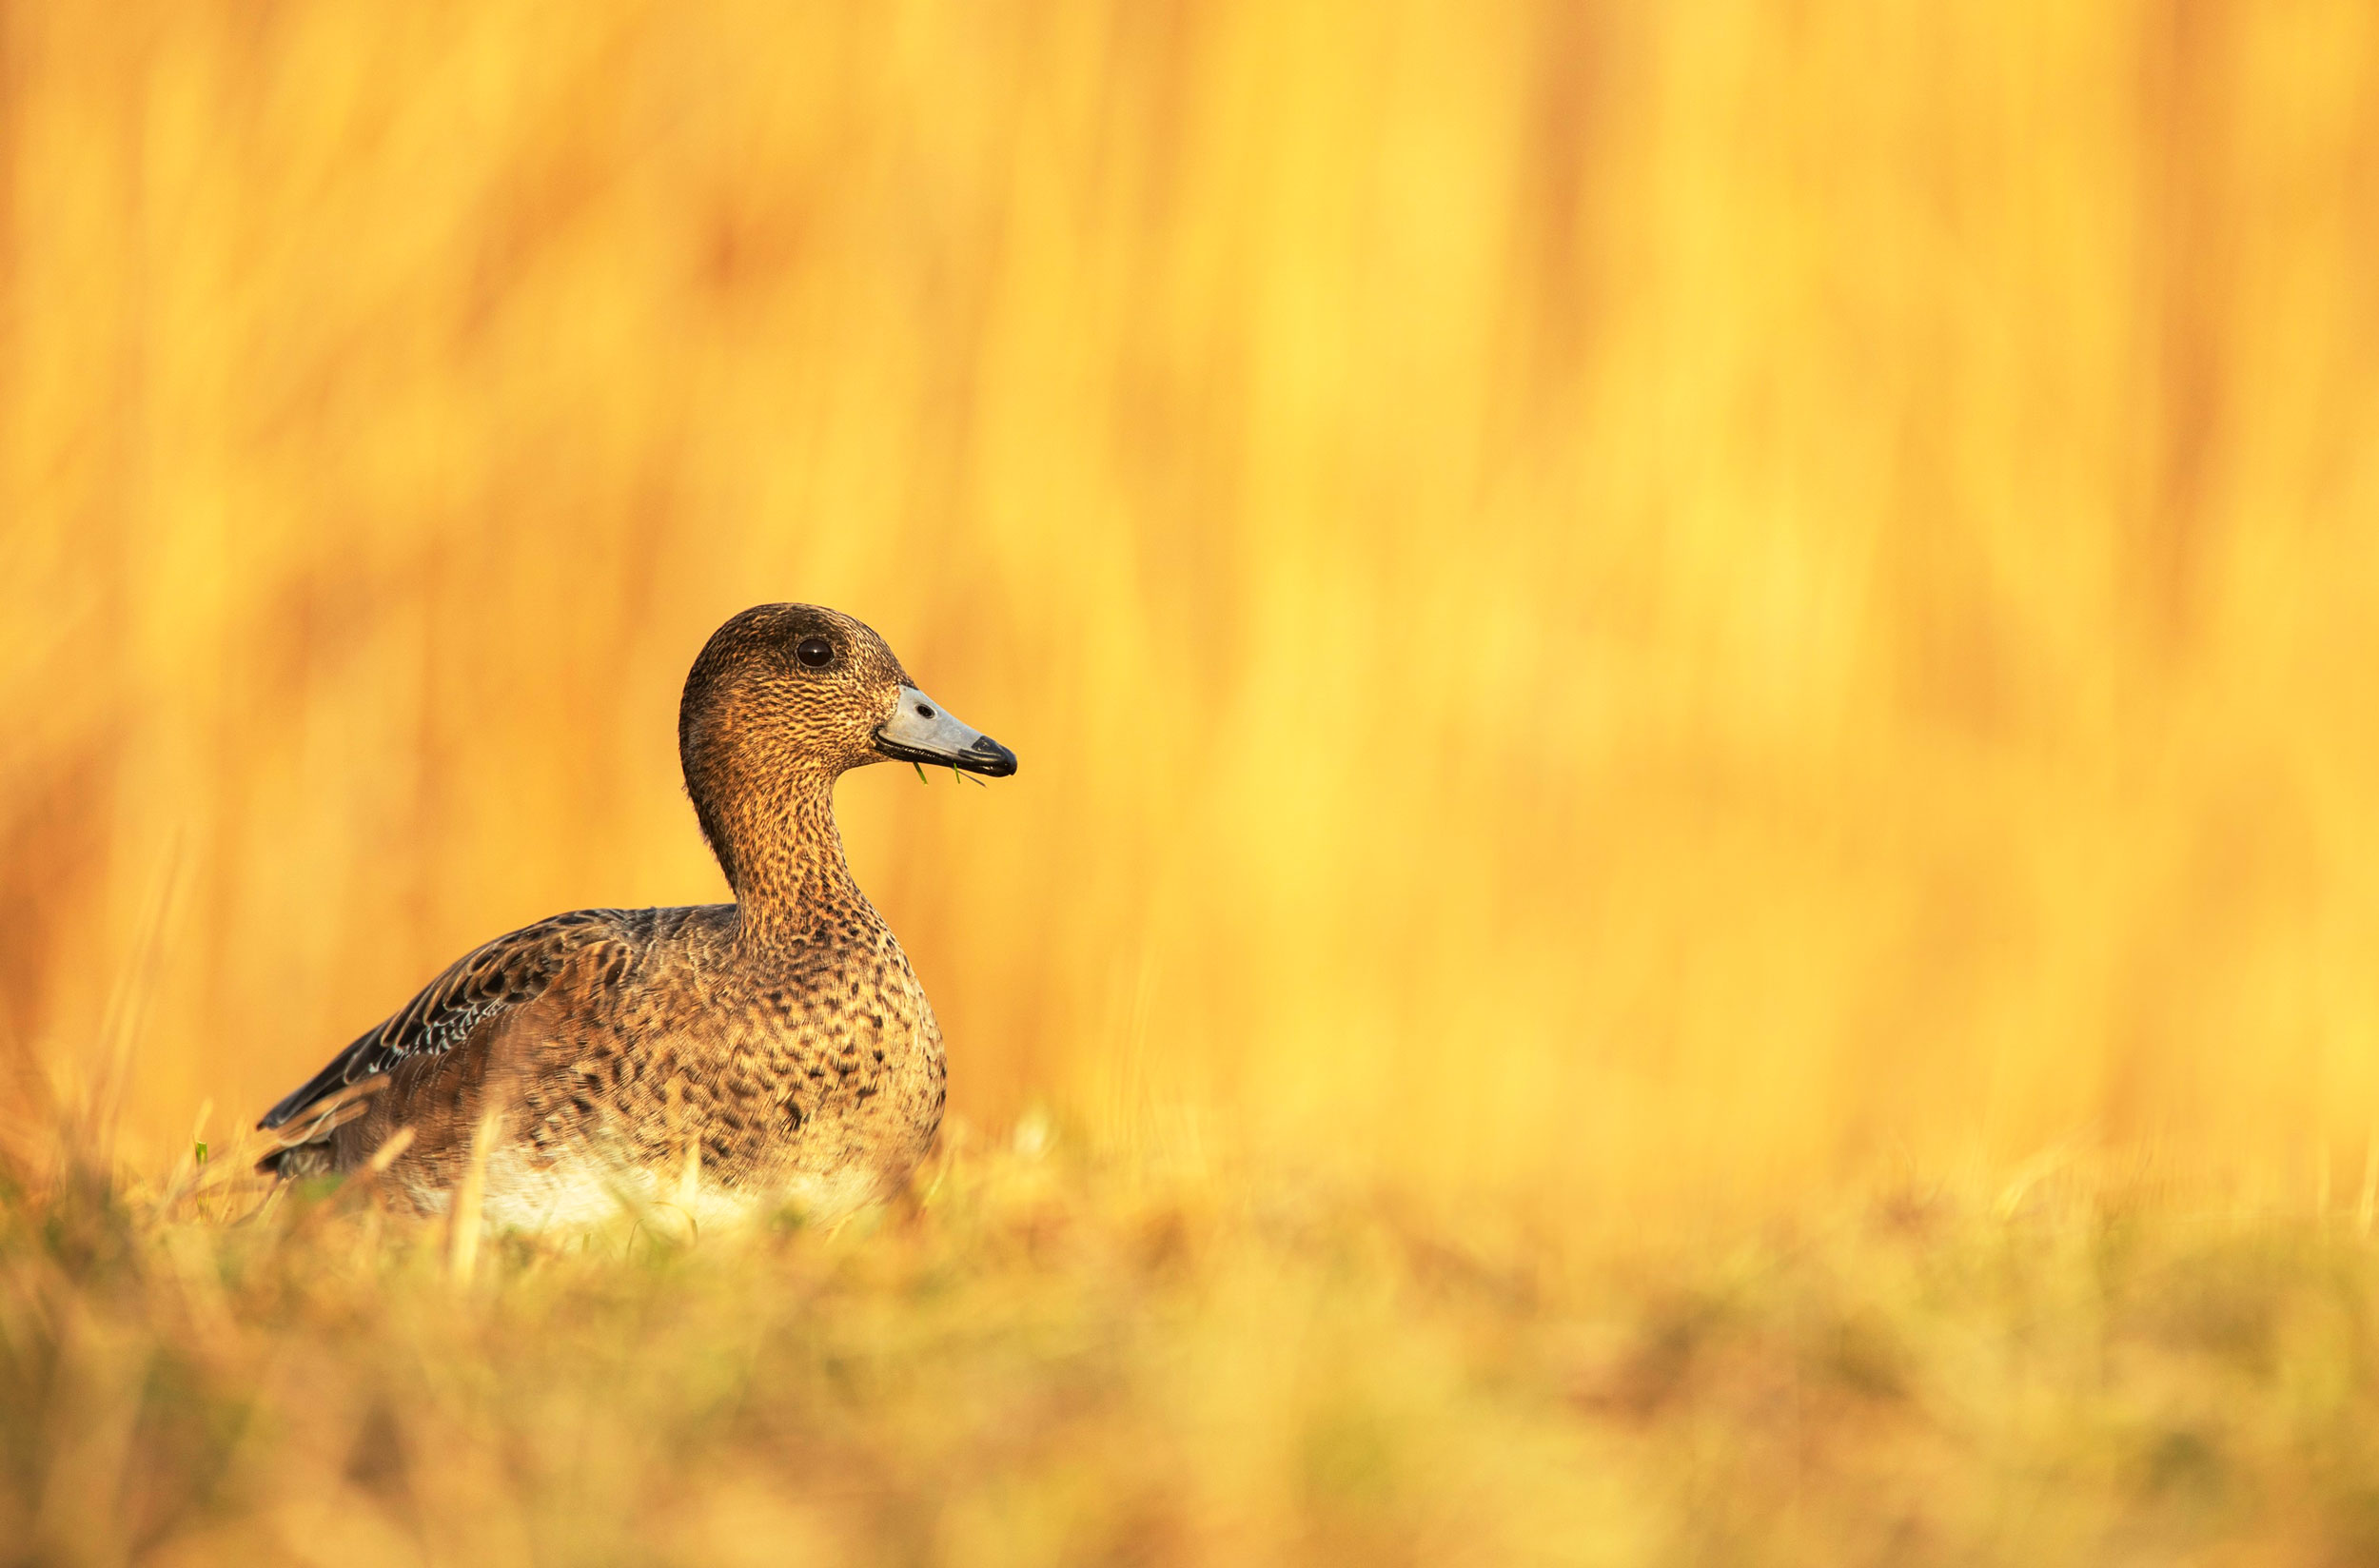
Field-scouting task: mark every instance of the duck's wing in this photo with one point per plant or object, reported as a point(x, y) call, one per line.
point(481, 985)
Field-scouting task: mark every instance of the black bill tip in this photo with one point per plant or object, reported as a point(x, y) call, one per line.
point(982, 756)
point(989, 757)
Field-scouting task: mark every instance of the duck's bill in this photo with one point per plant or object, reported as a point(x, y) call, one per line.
point(920, 731)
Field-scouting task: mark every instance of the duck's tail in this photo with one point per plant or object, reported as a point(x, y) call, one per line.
point(302, 1145)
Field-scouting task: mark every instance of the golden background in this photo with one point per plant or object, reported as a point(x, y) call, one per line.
point(1616, 598)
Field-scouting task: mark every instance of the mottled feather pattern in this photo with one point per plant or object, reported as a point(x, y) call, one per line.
point(511, 970)
point(707, 1055)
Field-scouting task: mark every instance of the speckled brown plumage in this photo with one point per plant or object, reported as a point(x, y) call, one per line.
point(777, 1047)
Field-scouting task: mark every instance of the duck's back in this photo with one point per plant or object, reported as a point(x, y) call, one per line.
point(645, 1054)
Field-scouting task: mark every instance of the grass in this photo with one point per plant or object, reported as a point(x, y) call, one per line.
point(1633, 612)
point(1774, 584)
point(1045, 1357)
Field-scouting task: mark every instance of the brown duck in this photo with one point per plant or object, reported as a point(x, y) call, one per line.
point(777, 1048)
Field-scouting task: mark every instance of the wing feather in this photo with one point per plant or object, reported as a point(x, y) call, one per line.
point(485, 982)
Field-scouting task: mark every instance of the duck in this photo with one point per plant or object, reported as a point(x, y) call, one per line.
point(774, 1050)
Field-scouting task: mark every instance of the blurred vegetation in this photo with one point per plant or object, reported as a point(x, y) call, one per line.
point(1054, 1357)
point(1626, 626)
point(1678, 601)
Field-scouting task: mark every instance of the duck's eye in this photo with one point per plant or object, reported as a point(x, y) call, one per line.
point(814, 652)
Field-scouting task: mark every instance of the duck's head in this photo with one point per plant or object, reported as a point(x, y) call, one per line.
point(811, 688)
point(787, 692)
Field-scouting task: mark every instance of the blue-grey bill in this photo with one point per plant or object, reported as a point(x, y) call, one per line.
point(920, 730)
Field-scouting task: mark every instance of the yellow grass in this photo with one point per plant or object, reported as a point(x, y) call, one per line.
point(1048, 1359)
point(1621, 622)
point(1630, 599)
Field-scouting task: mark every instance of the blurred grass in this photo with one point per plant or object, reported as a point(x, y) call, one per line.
point(1053, 1357)
point(1650, 645)
point(1679, 602)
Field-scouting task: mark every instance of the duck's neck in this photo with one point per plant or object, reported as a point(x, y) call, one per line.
point(793, 885)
